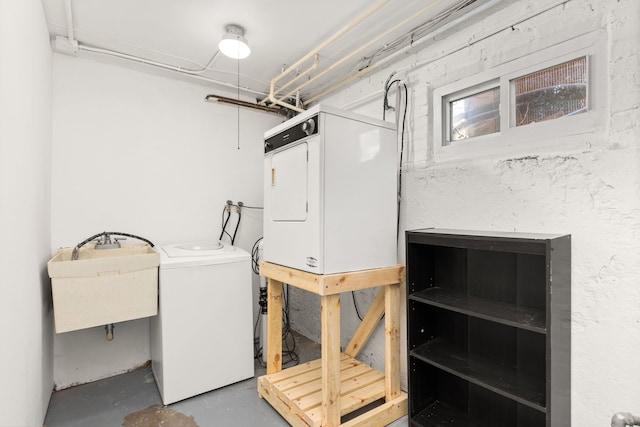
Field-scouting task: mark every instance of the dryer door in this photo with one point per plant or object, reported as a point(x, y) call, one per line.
point(289, 171)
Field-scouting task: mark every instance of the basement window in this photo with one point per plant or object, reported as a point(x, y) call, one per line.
point(524, 105)
point(473, 115)
point(550, 93)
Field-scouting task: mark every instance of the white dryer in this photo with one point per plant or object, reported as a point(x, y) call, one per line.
point(202, 337)
point(330, 192)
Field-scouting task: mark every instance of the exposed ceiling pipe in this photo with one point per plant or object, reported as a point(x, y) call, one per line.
point(272, 94)
point(69, 16)
point(358, 50)
point(272, 98)
point(166, 67)
point(316, 61)
point(276, 101)
point(394, 55)
point(238, 102)
point(196, 73)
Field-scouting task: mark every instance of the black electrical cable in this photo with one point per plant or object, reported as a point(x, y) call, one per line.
point(257, 350)
point(385, 102)
point(233, 239)
point(224, 222)
point(289, 355)
point(388, 85)
point(404, 120)
point(355, 305)
point(255, 257)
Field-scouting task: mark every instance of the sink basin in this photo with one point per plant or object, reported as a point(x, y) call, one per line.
point(103, 286)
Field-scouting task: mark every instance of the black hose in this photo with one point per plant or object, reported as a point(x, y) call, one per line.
point(105, 233)
point(112, 233)
point(224, 224)
point(233, 239)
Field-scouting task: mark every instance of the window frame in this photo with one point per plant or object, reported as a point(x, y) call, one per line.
point(533, 137)
point(467, 92)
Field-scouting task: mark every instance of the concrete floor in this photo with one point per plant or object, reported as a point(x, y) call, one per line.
point(132, 400)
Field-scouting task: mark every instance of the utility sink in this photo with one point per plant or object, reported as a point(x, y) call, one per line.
point(103, 286)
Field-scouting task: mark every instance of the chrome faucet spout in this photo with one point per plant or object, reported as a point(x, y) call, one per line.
point(624, 419)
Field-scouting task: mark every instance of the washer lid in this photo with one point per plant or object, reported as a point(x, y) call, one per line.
point(201, 252)
point(194, 249)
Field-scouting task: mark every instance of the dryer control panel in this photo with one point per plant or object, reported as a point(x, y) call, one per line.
point(292, 134)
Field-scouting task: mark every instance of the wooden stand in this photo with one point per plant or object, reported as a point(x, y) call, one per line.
point(320, 392)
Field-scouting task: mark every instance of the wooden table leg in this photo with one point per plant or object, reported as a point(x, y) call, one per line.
point(330, 348)
point(392, 342)
point(274, 326)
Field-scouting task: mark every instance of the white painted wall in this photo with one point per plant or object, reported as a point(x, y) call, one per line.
point(587, 185)
point(143, 154)
point(25, 154)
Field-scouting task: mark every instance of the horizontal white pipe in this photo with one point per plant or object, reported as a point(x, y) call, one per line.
point(358, 50)
point(424, 39)
point(333, 38)
point(304, 73)
point(337, 35)
point(166, 67)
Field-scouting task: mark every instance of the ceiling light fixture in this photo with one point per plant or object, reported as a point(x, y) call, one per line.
point(233, 43)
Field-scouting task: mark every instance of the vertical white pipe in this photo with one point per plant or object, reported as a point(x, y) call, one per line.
point(69, 16)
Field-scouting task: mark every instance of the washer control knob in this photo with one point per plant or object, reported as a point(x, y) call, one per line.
point(309, 127)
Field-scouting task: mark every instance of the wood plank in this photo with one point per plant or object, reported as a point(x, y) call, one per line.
point(298, 278)
point(264, 387)
point(330, 349)
point(299, 369)
point(278, 405)
point(392, 342)
point(381, 415)
point(356, 378)
point(348, 371)
point(294, 371)
point(363, 396)
point(274, 326)
point(352, 281)
point(288, 382)
point(367, 326)
point(350, 402)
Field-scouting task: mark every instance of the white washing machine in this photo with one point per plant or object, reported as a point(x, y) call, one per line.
point(202, 337)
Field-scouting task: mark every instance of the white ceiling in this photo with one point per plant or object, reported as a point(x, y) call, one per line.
point(185, 34)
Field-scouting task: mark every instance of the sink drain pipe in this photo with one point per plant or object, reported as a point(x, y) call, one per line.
point(109, 329)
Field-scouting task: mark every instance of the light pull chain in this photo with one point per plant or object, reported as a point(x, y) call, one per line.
point(238, 86)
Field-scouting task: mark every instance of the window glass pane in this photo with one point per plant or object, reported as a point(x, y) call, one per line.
point(475, 115)
point(551, 93)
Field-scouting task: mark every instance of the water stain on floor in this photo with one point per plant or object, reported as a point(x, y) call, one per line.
point(158, 415)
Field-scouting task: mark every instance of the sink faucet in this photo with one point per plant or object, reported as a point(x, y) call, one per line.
point(106, 242)
point(624, 419)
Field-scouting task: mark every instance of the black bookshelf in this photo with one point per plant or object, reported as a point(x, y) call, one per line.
point(488, 328)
